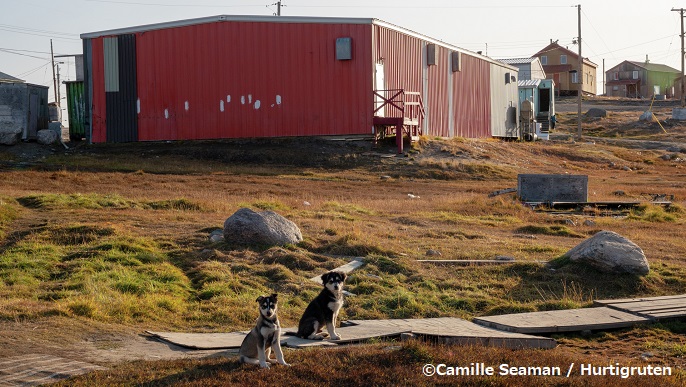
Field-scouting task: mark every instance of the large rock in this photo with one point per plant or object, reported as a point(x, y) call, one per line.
point(610, 252)
point(46, 137)
point(248, 227)
point(9, 135)
point(596, 112)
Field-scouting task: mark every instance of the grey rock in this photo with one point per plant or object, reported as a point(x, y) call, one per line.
point(646, 116)
point(619, 193)
point(216, 236)
point(610, 252)
point(666, 157)
point(589, 223)
point(248, 227)
point(505, 258)
point(433, 253)
point(596, 112)
point(46, 137)
point(9, 135)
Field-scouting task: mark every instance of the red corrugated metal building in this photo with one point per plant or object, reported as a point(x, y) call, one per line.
point(270, 76)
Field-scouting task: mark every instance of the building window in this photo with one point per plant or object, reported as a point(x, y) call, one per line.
point(563, 59)
point(615, 87)
point(635, 74)
point(575, 77)
point(615, 76)
point(544, 60)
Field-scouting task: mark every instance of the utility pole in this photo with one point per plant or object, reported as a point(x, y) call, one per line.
point(681, 13)
point(54, 80)
point(580, 80)
point(604, 86)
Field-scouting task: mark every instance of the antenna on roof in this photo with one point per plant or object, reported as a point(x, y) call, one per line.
point(278, 8)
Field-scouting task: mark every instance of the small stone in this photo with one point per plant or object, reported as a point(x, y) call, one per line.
point(505, 258)
point(385, 177)
point(433, 253)
point(625, 168)
point(589, 223)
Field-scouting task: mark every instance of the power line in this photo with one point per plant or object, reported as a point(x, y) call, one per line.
point(172, 5)
point(17, 53)
point(26, 29)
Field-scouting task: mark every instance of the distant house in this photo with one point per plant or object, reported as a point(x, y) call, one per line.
point(562, 66)
point(640, 80)
point(23, 109)
point(529, 68)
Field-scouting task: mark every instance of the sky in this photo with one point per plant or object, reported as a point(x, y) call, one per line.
point(612, 31)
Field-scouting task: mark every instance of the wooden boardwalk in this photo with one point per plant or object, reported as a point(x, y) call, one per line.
point(568, 320)
point(653, 308)
point(446, 329)
point(608, 314)
point(34, 370)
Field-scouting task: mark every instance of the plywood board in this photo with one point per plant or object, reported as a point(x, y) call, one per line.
point(347, 268)
point(655, 308)
point(34, 370)
point(570, 320)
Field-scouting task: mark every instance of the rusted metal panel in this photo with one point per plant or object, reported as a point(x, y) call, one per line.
point(253, 79)
point(97, 77)
point(472, 98)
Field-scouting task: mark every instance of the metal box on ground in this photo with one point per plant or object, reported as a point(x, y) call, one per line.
point(542, 188)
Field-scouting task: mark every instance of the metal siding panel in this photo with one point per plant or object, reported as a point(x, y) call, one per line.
point(76, 106)
point(111, 60)
point(122, 123)
point(472, 99)
point(99, 109)
point(88, 89)
point(437, 103)
point(253, 61)
point(503, 99)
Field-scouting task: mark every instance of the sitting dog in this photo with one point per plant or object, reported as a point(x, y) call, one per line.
point(323, 309)
point(265, 336)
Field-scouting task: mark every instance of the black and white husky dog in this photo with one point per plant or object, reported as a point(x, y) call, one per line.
point(265, 336)
point(323, 309)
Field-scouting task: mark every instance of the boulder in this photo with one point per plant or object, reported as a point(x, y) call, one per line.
point(9, 135)
point(596, 112)
point(248, 227)
point(646, 116)
point(46, 137)
point(610, 252)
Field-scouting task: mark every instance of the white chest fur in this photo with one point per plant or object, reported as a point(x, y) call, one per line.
point(335, 306)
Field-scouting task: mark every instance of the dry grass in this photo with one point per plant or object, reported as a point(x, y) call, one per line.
point(126, 242)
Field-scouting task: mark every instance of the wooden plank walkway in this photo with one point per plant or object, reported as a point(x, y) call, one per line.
point(653, 308)
point(446, 329)
point(347, 268)
point(569, 320)
point(34, 370)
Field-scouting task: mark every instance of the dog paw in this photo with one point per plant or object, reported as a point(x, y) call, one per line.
point(265, 365)
point(336, 337)
point(285, 364)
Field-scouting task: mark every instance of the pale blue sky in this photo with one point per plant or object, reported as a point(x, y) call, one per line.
point(614, 30)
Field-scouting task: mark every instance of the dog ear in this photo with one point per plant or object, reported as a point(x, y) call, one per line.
point(274, 296)
point(325, 277)
point(343, 276)
point(260, 298)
